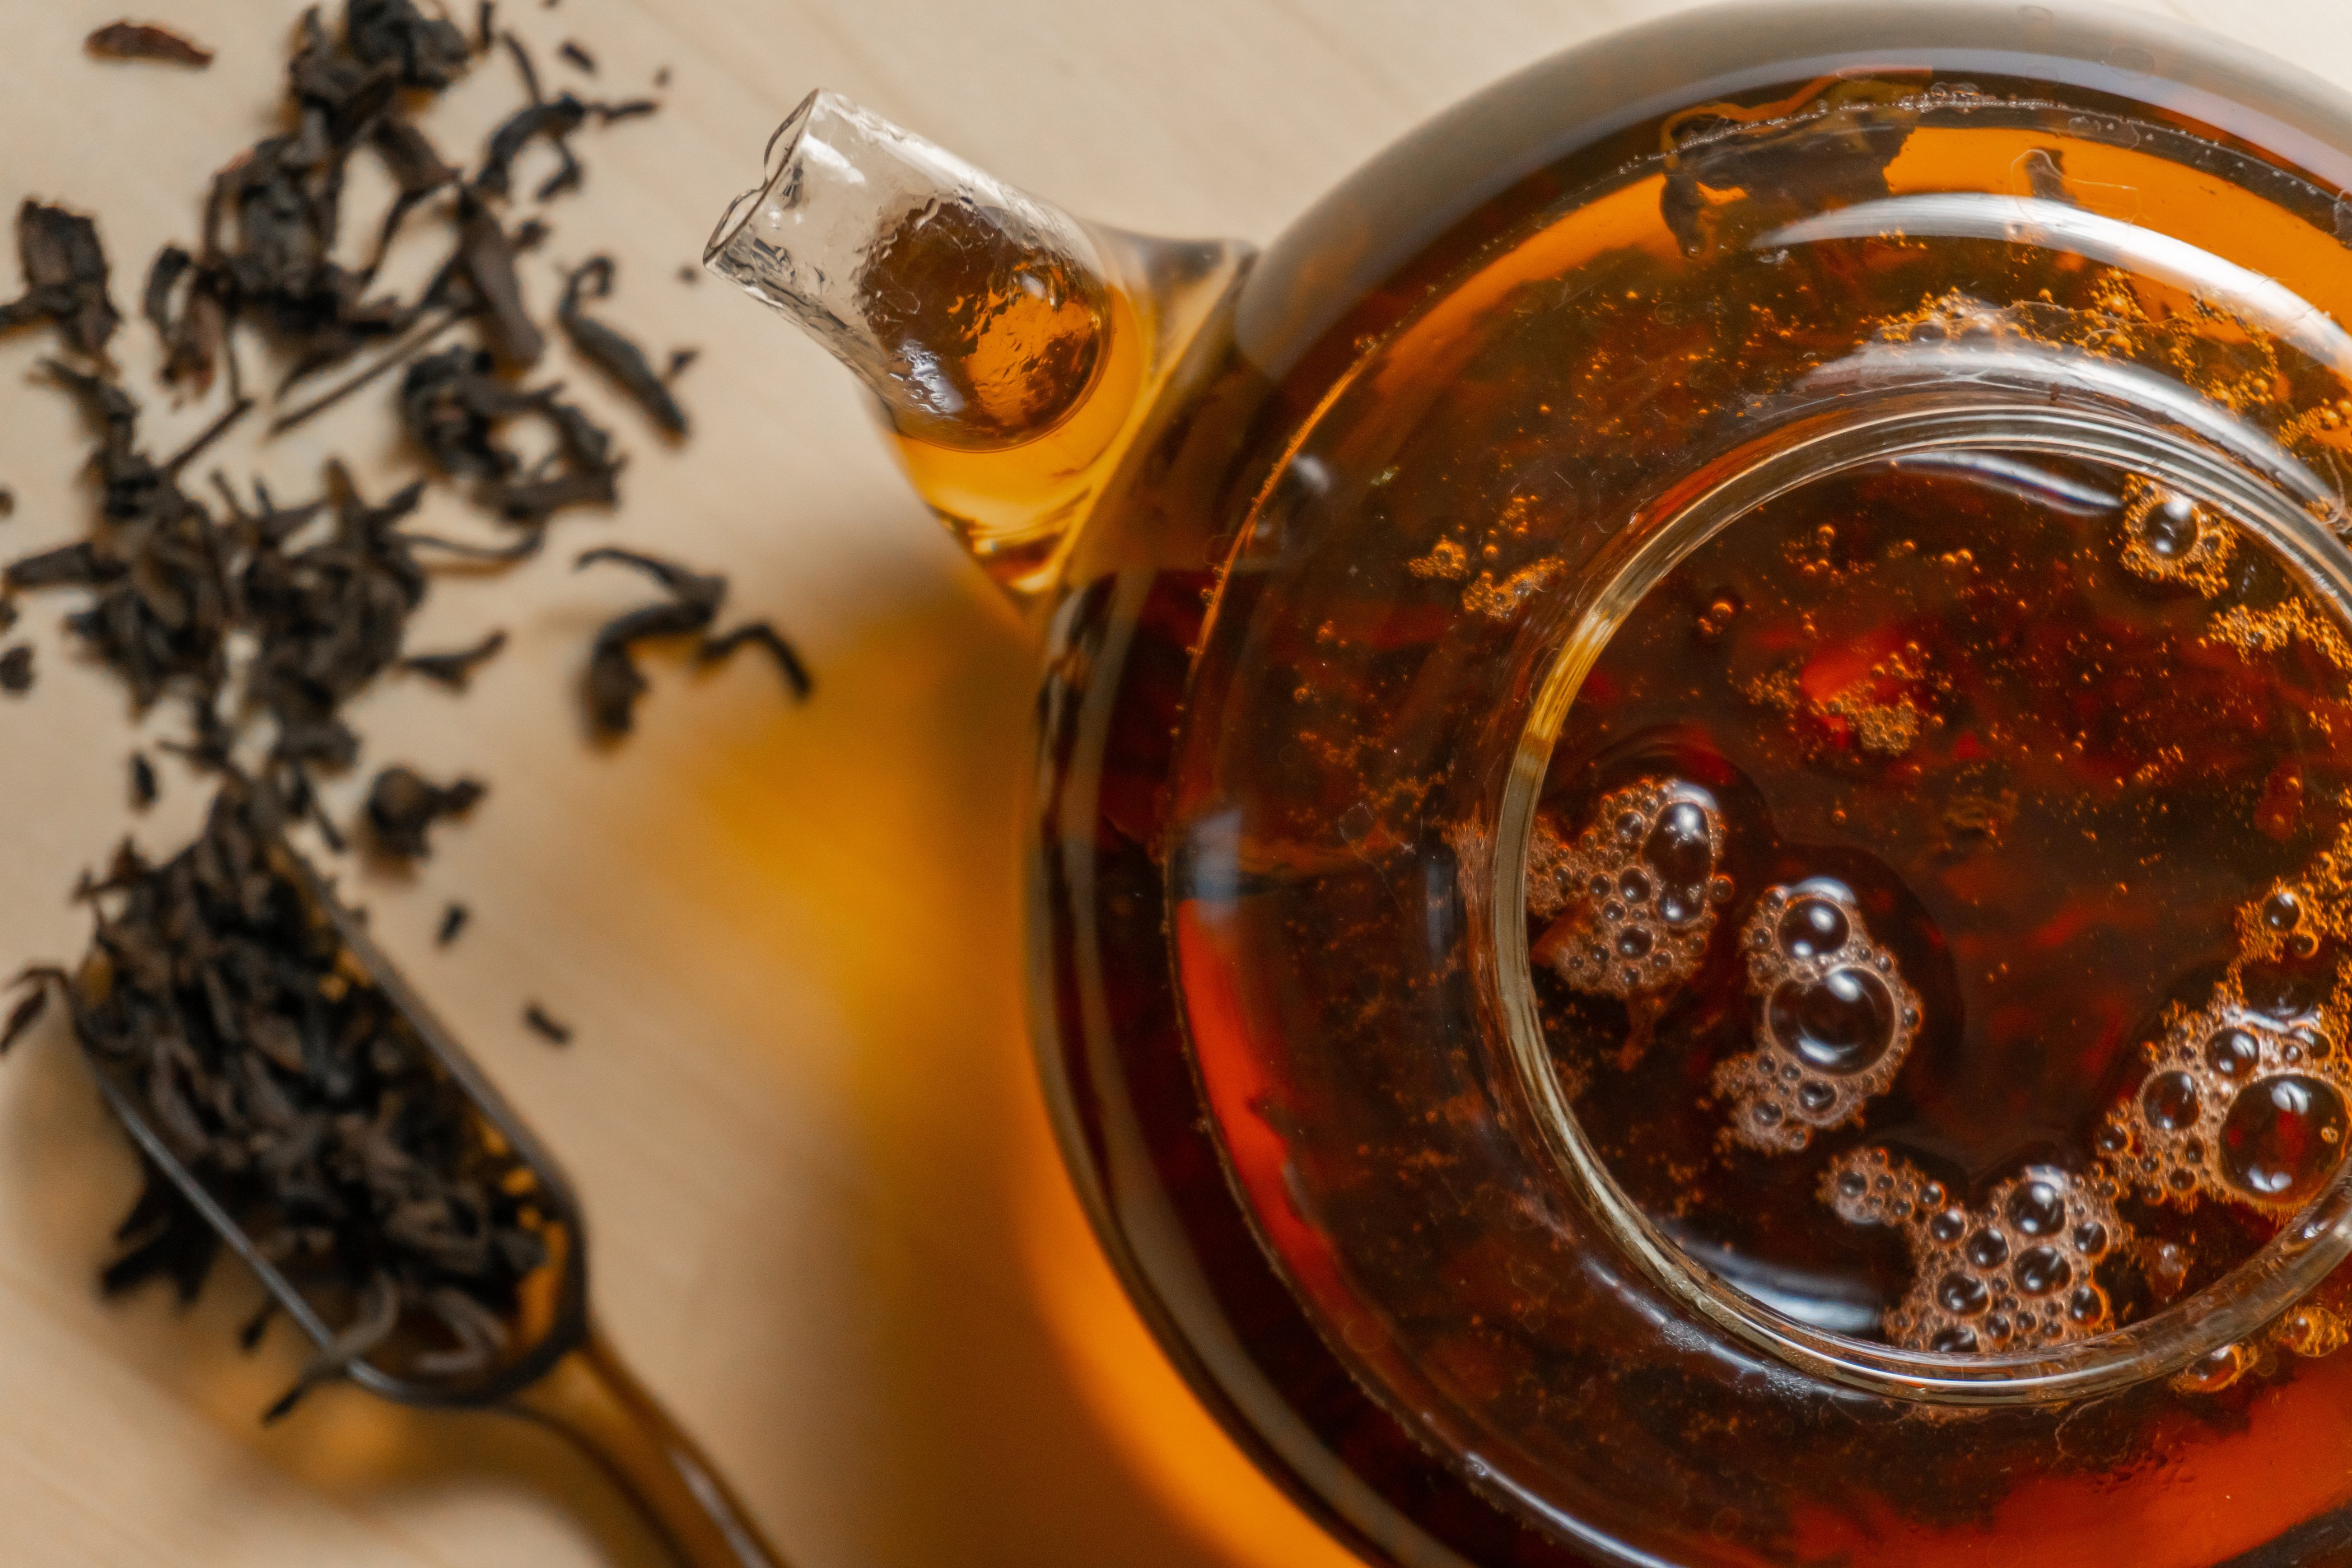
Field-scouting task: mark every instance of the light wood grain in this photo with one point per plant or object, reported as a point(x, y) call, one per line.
point(829, 1226)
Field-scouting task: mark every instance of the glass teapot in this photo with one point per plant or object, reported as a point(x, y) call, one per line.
point(1692, 870)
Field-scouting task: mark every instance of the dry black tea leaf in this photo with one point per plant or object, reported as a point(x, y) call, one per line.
point(171, 264)
point(555, 119)
point(455, 408)
point(7, 501)
point(700, 592)
point(65, 277)
point(484, 278)
point(27, 1011)
point(614, 682)
point(429, 51)
point(576, 57)
point(680, 360)
point(453, 920)
point(16, 669)
point(547, 1027)
point(788, 659)
point(143, 790)
point(146, 41)
point(403, 803)
point(417, 171)
point(454, 668)
point(610, 351)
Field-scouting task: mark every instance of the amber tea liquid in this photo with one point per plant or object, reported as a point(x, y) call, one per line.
point(1990, 992)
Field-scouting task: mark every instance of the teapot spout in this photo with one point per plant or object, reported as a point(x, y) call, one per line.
point(1013, 350)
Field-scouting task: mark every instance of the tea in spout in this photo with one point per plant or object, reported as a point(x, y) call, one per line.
point(1014, 349)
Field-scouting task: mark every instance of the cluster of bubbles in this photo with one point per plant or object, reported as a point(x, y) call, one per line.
point(1835, 1018)
point(2310, 1330)
point(1633, 897)
point(2242, 1104)
point(2012, 1274)
point(2169, 538)
point(2239, 1108)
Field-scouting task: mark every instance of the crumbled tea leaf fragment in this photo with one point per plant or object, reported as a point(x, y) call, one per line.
point(403, 803)
point(146, 41)
point(611, 352)
point(453, 920)
point(545, 1025)
point(573, 55)
point(143, 790)
point(455, 668)
point(16, 669)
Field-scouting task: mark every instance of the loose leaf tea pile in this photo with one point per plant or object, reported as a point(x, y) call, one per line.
point(220, 997)
point(218, 1001)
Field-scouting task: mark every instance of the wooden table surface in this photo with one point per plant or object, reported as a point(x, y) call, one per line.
point(830, 1226)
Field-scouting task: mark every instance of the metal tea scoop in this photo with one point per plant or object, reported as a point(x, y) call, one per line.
point(546, 1359)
